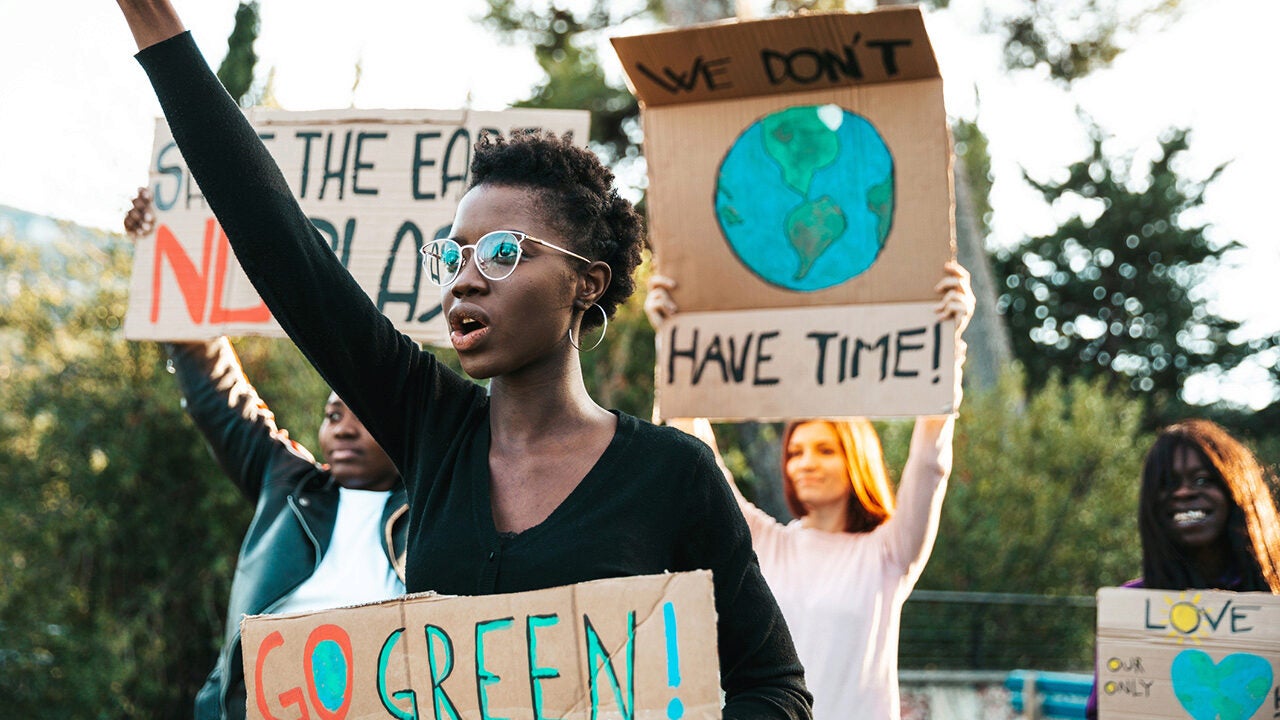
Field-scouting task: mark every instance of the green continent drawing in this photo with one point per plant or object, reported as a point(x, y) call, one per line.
point(805, 196)
point(880, 203)
point(800, 143)
point(811, 228)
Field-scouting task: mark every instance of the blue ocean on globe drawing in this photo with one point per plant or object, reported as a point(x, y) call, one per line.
point(805, 196)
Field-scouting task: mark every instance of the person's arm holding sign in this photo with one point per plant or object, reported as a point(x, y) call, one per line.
point(842, 570)
point(912, 529)
point(236, 423)
point(291, 265)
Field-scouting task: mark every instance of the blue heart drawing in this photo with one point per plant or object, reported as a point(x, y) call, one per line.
point(1233, 689)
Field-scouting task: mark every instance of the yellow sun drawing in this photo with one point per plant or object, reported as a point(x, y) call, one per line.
point(1185, 618)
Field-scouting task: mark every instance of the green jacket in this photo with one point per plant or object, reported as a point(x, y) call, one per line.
point(296, 499)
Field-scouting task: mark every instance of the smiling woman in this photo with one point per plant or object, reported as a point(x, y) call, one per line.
point(530, 484)
point(1206, 517)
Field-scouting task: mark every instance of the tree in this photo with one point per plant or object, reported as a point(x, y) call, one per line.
point(236, 70)
point(1043, 499)
point(1118, 290)
point(119, 531)
point(1069, 40)
point(574, 76)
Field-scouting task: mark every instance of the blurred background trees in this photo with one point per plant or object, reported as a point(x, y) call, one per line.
point(1119, 289)
point(118, 534)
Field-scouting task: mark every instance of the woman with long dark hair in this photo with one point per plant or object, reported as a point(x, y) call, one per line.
point(1206, 517)
point(1205, 514)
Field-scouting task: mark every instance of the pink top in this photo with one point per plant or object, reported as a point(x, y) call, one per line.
point(842, 593)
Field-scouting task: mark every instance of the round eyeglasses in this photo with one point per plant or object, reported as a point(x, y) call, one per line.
point(496, 255)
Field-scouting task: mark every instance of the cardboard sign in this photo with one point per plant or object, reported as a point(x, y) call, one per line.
point(850, 360)
point(377, 184)
point(637, 647)
point(799, 162)
point(1188, 654)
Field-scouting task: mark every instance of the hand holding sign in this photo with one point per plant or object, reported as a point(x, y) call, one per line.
point(140, 221)
point(956, 305)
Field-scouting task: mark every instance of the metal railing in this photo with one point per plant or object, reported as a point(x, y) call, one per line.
point(978, 631)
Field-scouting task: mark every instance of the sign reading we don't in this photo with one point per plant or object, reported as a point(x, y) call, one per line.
point(376, 184)
point(800, 197)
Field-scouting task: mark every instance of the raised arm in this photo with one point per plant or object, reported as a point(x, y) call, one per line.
point(238, 426)
point(911, 531)
point(151, 21)
point(914, 526)
point(316, 301)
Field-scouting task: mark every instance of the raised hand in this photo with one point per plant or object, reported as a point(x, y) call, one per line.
point(140, 220)
point(957, 301)
point(658, 304)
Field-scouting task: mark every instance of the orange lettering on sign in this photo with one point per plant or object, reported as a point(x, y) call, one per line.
point(194, 285)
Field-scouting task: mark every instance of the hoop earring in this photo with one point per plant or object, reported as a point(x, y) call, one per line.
point(604, 328)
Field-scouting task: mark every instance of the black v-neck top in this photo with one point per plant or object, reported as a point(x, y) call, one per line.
point(655, 500)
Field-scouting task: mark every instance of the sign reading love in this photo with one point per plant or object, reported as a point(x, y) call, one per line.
point(1203, 654)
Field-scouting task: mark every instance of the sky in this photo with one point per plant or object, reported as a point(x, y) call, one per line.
point(77, 115)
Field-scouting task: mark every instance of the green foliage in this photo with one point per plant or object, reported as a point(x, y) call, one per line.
point(781, 7)
point(1043, 499)
point(619, 373)
point(1069, 40)
point(1118, 290)
point(575, 80)
point(118, 533)
point(236, 70)
point(974, 156)
point(1044, 494)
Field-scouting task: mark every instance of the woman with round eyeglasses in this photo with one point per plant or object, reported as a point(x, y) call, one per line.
point(496, 255)
point(528, 485)
point(1206, 517)
point(842, 570)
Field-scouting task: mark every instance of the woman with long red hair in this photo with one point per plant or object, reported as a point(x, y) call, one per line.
point(843, 568)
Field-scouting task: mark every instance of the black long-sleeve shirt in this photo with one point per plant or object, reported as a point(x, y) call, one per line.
point(654, 501)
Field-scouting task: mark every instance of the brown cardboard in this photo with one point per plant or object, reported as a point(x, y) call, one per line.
point(377, 183)
point(741, 227)
point(1192, 653)
point(639, 647)
point(872, 360)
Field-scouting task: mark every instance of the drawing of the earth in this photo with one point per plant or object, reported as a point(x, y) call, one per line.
point(805, 196)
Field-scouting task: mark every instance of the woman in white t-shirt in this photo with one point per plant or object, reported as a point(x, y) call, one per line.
point(843, 569)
